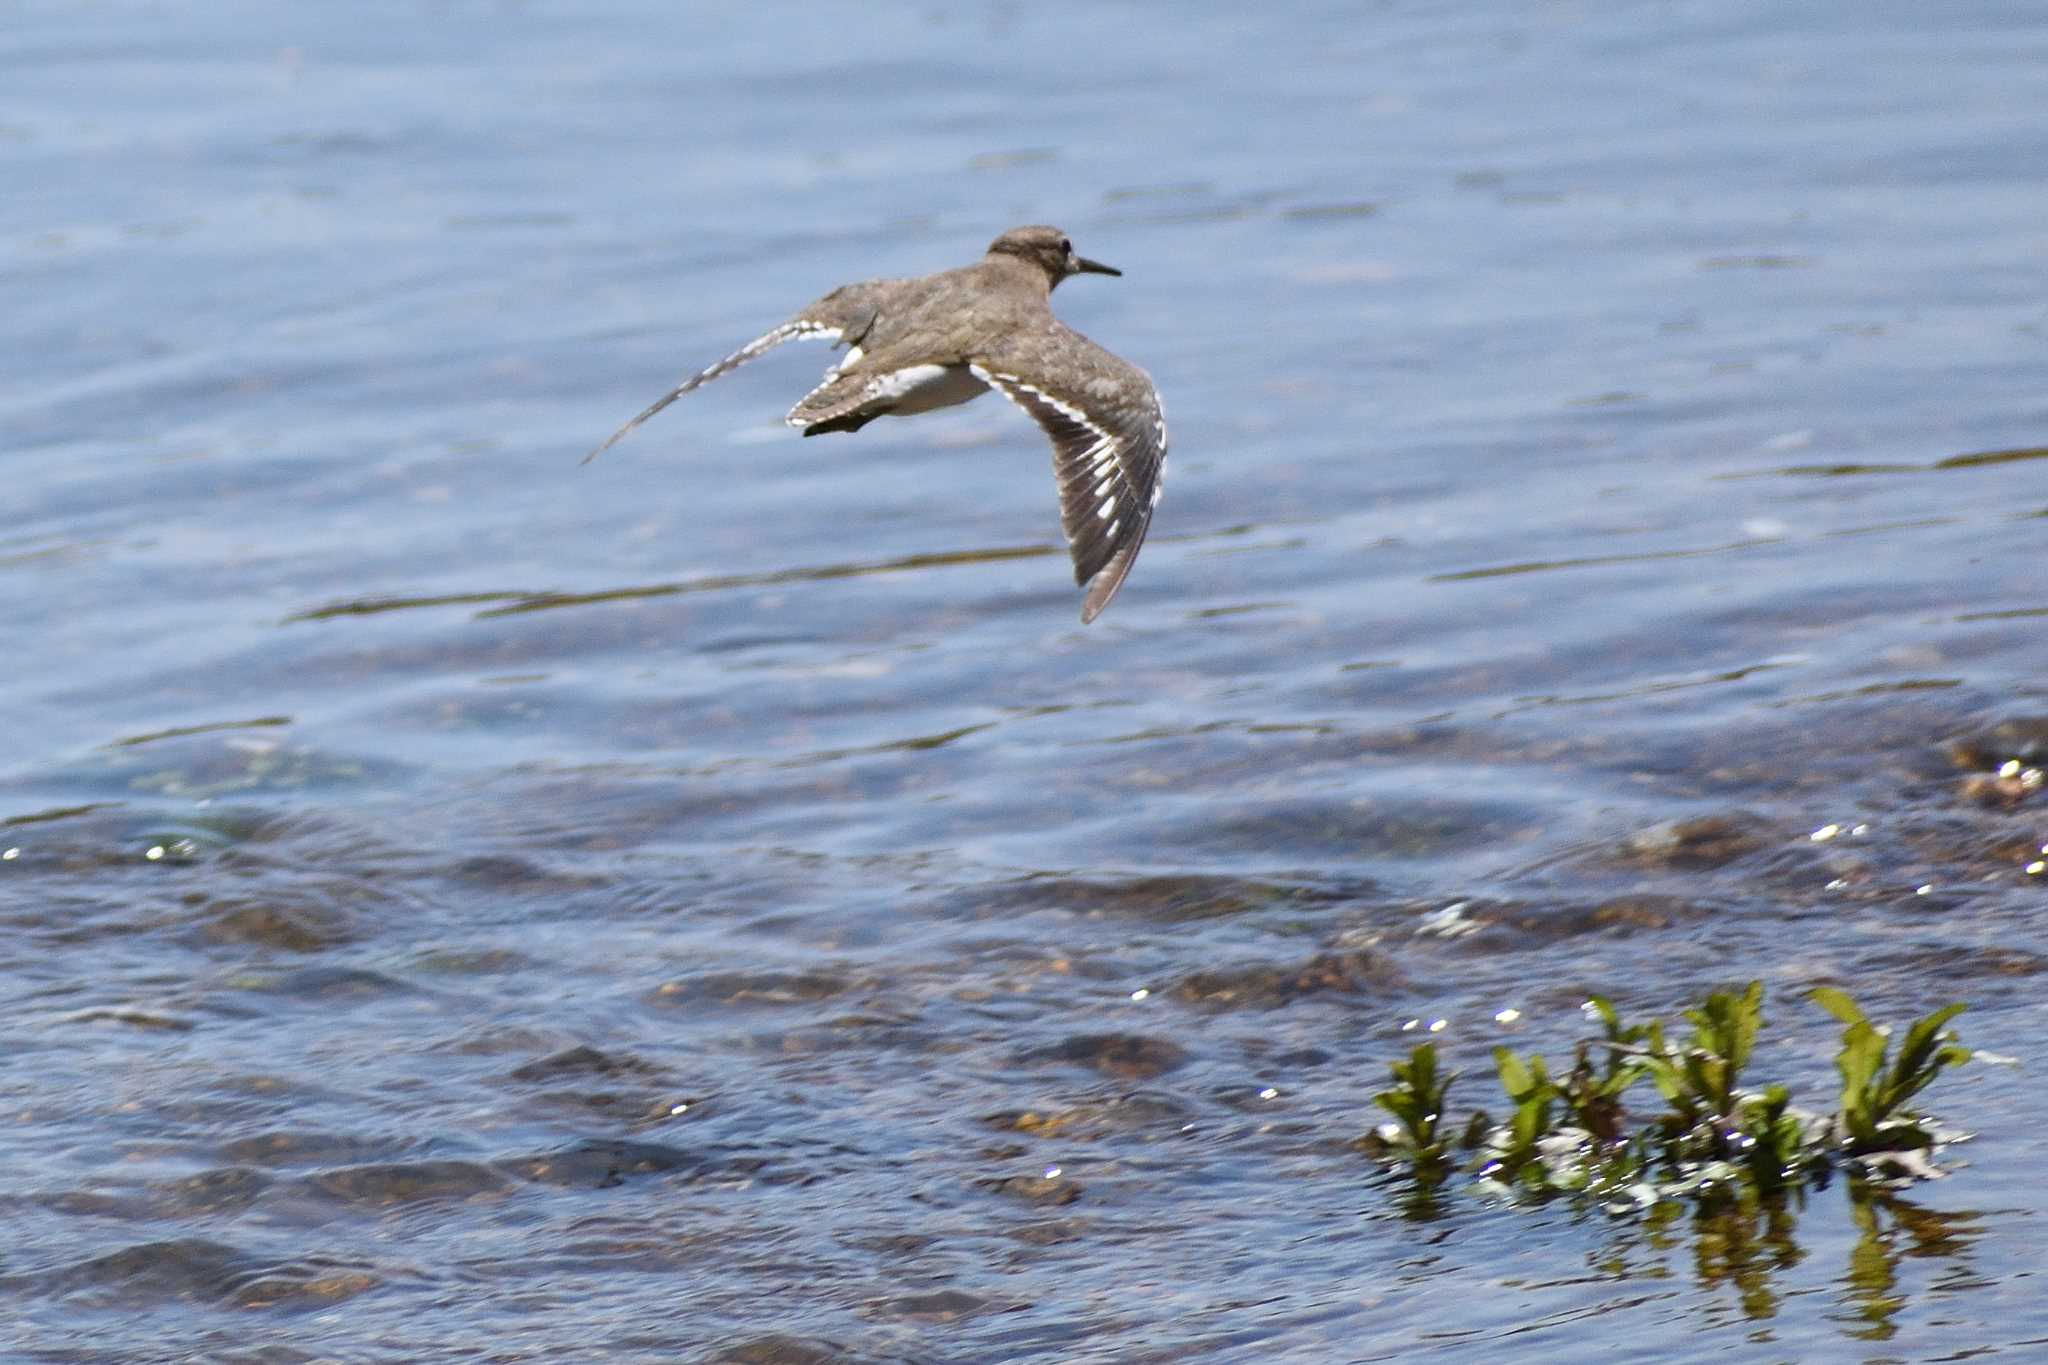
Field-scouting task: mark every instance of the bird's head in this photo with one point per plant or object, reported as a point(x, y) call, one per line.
point(1051, 250)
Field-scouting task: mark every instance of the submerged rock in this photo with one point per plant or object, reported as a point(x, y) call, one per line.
point(1700, 844)
point(2021, 739)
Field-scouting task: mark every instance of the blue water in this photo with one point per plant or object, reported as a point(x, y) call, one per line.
point(719, 904)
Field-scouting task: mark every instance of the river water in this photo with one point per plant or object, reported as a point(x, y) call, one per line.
point(719, 903)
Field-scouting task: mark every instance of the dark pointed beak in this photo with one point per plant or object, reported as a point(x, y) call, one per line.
point(1084, 266)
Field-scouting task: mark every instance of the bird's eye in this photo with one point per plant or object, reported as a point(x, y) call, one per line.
point(1066, 247)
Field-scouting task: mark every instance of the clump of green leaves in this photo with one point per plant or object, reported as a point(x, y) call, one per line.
point(1715, 1138)
point(1873, 1127)
point(1417, 1104)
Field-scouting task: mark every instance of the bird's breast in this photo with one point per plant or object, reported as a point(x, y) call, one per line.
point(921, 388)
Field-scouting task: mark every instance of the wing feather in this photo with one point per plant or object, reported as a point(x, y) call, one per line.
point(792, 330)
point(1108, 437)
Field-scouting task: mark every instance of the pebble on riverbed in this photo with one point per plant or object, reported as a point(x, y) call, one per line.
point(1700, 844)
point(2005, 761)
point(1269, 985)
point(2022, 738)
point(2007, 787)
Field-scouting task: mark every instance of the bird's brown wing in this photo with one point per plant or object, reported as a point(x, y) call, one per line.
point(1108, 436)
point(842, 316)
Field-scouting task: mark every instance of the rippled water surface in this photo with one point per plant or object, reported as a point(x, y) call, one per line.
point(719, 904)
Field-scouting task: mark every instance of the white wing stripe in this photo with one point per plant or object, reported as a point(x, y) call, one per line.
point(1107, 465)
point(800, 329)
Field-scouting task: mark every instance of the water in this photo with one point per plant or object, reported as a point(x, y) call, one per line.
point(719, 904)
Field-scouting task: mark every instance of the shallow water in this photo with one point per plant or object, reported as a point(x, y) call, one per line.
point(719, 904)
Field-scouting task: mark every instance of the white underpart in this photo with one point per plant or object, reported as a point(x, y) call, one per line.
point(846, 361)
point(921, 388)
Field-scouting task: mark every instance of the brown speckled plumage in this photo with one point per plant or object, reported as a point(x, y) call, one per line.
point(913, 345)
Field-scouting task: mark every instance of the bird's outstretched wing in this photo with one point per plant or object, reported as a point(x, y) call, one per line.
point(844, 315)
point(1108, 437)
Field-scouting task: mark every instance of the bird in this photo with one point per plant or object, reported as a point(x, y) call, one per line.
point(934, 341)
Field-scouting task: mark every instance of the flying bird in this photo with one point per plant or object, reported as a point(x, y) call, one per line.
point(915, 345)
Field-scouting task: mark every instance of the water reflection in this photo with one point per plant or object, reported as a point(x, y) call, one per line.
point(1751, 1248)
point(1744, 1247)
point(210, 727)
point(1891, 1230)
point(1857, 469)
point(1597, 561)
point(516, 602)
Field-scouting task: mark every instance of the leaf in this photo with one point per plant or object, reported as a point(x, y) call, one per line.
point(1837, 1003)
point(1400, 1104)
point(1529, 1124)
point(1746, 1016)
point(1861, 1055)
point(1514, 1073)
point(1920, 1041)
point(1416, 1102)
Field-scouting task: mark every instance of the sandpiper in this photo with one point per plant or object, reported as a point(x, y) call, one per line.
point(920, 344)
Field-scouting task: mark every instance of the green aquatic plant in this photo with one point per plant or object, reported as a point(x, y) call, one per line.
point(1701, 1081)
point(1516, 1149)
point(1873, 1126)
point(1416, 1101)
point(1715, 1140)
point(1592, 1090)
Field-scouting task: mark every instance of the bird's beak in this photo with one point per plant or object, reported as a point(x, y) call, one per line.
point(1084, 266)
